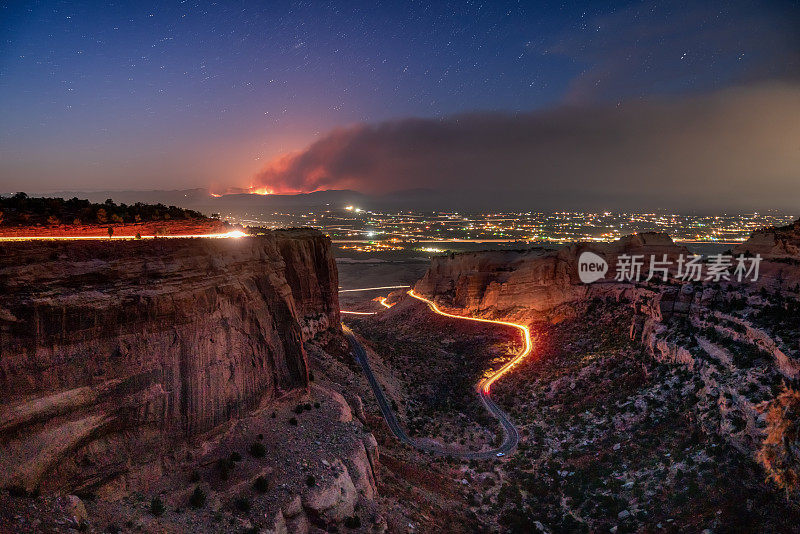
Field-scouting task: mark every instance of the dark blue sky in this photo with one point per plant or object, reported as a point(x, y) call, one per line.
point(176, 94)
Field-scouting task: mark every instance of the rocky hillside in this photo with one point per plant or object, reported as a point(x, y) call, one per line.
point(113, 352)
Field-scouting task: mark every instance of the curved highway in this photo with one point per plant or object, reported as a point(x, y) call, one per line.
point(483, 389)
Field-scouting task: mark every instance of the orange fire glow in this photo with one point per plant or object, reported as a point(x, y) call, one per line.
point(261, 191)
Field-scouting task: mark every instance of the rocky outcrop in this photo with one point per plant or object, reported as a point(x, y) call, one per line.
point(110, 352)
point(780, 249)
point(499, 282)
point(534, 284)
point(773, 242)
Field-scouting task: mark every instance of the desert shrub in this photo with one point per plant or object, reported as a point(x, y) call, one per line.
point(16, 490)
point(156, 507)
point(235, 457)
point(261, 485)
point(352, 522)
point(197, 499)
point(293, 421)
point(258, 450)
point(515, 521)
point(224, 466)
point(311, 481)
point(242, 504)
point(738, 423)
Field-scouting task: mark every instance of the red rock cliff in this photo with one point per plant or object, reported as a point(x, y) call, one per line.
point(531, 284)
point(111, 351)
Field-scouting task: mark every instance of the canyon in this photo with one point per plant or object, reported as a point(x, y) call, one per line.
point(126, 366)
point(730, 347)
point(205, 384)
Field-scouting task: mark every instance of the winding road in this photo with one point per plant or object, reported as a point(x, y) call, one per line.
point(483, 389)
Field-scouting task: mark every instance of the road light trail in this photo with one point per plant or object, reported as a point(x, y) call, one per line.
point(382, 301)
point(234, 234)
point(486, 384)
point(370, 288)
point(483, 390)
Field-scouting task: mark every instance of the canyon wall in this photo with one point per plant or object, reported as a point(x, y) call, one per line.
point(532, 284)
point(111, 352)
point(780, 241)
point(780, 249)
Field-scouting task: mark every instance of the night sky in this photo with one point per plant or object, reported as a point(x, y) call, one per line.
point(387, 96)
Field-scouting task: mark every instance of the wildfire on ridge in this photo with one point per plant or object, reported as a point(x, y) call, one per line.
point(261, 191)
point(257, 190)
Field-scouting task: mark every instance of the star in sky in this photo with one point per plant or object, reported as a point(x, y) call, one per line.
point(96, 89)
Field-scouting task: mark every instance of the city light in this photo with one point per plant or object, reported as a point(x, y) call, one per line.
point(430, 232)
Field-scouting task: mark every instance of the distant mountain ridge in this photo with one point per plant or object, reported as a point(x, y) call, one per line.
point(203, 200)
point(419, 199)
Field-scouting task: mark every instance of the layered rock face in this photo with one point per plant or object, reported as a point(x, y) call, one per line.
point(532, 284)
point(780, 249)
point(771, 242)
point(111, 352)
